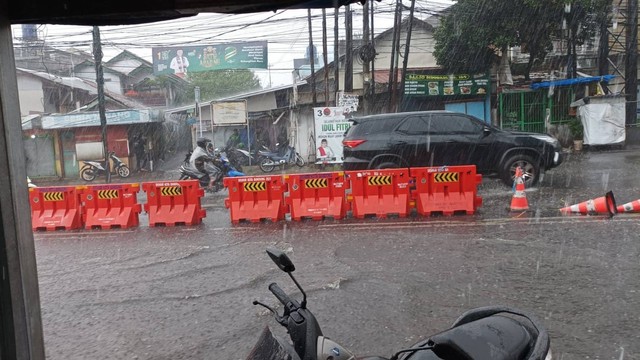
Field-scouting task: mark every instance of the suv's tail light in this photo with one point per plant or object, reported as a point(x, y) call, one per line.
point(352, 143)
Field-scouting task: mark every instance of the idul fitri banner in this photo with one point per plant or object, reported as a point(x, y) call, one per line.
point(182, 60)
point(330, 125)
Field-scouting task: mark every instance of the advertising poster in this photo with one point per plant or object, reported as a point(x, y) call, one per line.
point(330, 124)
point(182, 60)
point(445, 85)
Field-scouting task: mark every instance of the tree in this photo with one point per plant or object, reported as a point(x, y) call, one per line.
point(471, 34)
point(221, 83)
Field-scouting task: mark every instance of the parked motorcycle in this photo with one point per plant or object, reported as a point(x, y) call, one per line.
point(92, 169)
point(242, 157)
point(491, 333)
point(218, 165)
point(286, 156)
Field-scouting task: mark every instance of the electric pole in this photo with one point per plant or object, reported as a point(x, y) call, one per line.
point(312, 55)
point(325, 57)
point(406, 53)
point(631, 63)
point(97, 57)
point(336, 52)
point(373, 61)
point(348, 66)
point(365, 62)
point(393, 66)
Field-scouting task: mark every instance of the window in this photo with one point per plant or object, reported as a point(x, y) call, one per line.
point(454, 124)
point(414, 126)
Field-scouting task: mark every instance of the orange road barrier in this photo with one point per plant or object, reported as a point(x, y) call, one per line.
point(316, 196)
point(255, 198)
point(174, 203)
point(602, 205)
point(110, 206)
point(519, 200)
point(55, 208)
point(446, 189)
point(630, 207)
point(379, 192)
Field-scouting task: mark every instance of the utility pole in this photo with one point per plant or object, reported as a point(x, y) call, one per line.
point(97, 57)
point(336, 52)
point(325, 57)
point(631, 63)
point(312, 55)
point(365, 62)
point(603, 46)
point(406, 52)
point(393, 66)
point(373, 61)
point(348, 66)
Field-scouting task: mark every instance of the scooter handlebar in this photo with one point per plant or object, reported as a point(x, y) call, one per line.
point(280, 294)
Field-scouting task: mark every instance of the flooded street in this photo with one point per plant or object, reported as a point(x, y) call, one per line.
point(375, 286)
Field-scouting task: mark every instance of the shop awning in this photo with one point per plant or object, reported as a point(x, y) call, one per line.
point(569, 82)
point(117, 117)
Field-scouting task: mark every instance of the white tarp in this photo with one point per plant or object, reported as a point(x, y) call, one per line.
point(603, 123)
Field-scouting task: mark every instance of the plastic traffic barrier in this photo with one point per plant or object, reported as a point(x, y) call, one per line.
point(55, 208)
point(316, 196)
point(174, 203)
point(446, 189)
point(255, 198)
point(379, 192)
point(110, 206)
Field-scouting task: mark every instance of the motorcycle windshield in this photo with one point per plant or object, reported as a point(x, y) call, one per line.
point(269, 348)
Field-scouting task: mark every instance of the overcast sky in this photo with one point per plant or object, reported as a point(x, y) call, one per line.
point(285, 30)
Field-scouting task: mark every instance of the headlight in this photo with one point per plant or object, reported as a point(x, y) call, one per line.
point(546, 138)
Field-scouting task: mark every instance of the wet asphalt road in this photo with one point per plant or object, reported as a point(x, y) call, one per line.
point(375, 285)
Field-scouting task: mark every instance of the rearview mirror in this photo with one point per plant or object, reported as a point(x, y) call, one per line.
point(281, 259)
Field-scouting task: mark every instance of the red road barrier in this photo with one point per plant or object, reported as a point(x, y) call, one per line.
point(55, 208)
point(446, 189)
point(110, 206)
point(174, 203)
point(316, 196)
point(379, 192)
point(255, 198)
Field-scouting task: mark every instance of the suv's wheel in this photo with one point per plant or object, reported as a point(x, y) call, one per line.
point(530, 168)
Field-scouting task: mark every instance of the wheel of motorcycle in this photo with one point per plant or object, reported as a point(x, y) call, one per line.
point(87, 174)
point(183, 177)
point(267, 165)
point(123, 171)
point(299, 160)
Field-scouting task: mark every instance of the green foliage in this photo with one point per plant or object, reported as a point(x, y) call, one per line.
point(577, 130)
point(473, 32)
point(220, 83)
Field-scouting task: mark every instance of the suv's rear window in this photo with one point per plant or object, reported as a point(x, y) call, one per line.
point(373, 126)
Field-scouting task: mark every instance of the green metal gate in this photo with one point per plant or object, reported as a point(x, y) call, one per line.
point(527, 110)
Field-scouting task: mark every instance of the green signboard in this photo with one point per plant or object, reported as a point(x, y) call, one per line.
point(445, 85)
point(186, 59)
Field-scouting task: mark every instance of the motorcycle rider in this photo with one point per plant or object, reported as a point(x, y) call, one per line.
point(203, 154)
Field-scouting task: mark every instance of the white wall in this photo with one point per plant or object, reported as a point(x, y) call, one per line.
point(30, 94)
point(111, 80)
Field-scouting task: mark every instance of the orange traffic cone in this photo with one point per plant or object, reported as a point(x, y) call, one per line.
point(519, 200)
point(630, 207)
point(602, 205)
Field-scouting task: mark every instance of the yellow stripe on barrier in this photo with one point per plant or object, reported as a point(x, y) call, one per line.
point(53, 196)
point(255, 186)
point(316, 183)
point(107, 194)
point(171, 190)
point(379, 180)
point(446, 177)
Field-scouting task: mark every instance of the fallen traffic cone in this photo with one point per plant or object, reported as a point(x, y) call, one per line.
point(602, 205)
point(630, 207)
point(519, 200)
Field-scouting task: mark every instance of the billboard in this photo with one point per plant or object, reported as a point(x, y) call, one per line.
point(445, 85)
point(330, 126)
point(229, 113)
point(181, 60)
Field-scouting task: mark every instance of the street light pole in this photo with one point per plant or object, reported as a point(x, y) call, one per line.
point(97, 56)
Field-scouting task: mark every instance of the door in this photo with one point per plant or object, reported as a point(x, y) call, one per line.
point(40, 156)
point(69, 154)
point(456, 139)
point(410, 140)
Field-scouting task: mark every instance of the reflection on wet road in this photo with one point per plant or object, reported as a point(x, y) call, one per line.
point(375, 286)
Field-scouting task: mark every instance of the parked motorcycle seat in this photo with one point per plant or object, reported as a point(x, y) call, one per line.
point(492, 338)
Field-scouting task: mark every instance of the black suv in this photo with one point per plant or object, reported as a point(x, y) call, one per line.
point(437, 138)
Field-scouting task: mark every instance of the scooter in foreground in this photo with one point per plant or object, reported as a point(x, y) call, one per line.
point(488, 333)
point(92, 169)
